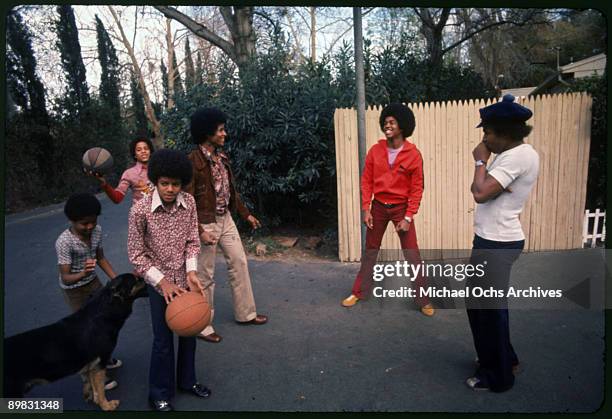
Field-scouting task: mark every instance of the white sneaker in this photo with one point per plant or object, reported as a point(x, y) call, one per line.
point(113, 363)
point(110, 384)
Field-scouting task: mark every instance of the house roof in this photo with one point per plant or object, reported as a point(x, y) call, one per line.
point(518, 91)
point(552, 80)
point(583, 68)
point(588, 66)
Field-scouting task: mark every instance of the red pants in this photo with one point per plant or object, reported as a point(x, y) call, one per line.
point(408, 239)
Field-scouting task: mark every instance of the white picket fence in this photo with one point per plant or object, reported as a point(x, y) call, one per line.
point(593, 231)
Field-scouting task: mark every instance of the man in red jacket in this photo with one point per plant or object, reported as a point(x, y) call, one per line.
point(391, 190)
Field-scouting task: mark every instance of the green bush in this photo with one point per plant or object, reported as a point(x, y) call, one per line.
point(280, 134)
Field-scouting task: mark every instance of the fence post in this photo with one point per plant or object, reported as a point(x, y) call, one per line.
point(585, 227)
point(595, 228)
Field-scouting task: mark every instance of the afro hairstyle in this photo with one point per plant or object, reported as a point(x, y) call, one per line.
point(204, 123)
point(403, 115)
point(81, 205)
point(140, 139)
point(170, 163)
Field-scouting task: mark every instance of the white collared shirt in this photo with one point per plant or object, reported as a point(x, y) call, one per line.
point(156, 201)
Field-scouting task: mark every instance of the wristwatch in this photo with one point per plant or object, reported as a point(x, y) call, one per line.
point(408, 219)
point(480, 163)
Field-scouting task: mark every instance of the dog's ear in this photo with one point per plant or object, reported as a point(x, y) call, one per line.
point(117, 288)
point(139, 288)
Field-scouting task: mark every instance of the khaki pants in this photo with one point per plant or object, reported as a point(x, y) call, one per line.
point(77, 297)
point(238, 272)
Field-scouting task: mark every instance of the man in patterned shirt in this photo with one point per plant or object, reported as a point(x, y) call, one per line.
point(215, 194)
point(163, 246)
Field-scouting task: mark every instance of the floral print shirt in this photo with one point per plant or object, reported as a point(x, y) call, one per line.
point(164, 243)
point(221, 177)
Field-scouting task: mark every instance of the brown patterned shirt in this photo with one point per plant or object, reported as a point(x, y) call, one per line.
point(221, 177)
point(164, 243)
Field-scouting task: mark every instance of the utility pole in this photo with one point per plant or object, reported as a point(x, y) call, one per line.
point(360, 79)
point(557, 48)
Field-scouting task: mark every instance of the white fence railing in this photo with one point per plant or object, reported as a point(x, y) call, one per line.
point(596, 230)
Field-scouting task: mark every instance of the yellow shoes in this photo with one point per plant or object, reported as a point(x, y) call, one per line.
point(350, 301)
point(428, 310)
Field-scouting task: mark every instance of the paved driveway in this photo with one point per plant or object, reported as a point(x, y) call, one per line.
point(315, 355)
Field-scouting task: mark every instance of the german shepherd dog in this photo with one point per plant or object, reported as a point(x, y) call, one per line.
point(82, 342)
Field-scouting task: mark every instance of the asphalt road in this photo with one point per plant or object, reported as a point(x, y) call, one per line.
point(315, 355)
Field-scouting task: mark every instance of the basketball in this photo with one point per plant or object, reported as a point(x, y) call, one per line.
point(188, 314)
point(97, 160)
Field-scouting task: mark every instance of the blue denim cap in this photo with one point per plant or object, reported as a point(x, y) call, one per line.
point(505, 111)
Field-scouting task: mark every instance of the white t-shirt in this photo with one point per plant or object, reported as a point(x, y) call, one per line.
point(498, 218)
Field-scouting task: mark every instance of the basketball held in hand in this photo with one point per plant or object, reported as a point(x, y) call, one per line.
point(97, 160)
point(188, 314)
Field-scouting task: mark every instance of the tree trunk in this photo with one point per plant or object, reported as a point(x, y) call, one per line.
point(171, 69)
point(158, 141)
point(313, 34)
point(239, 21)
point(432, 31)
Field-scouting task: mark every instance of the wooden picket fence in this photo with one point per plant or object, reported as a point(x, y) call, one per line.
point(446, 134)
point(592, 232)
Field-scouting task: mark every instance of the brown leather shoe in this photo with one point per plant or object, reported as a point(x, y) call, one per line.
point(213, 338)
point(259, 319)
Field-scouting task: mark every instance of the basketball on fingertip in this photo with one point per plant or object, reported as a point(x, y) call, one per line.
point(188, 314)
point(97, 160)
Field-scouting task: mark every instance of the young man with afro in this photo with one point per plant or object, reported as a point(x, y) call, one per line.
point(391, 190)
point(135, 177)
point(163, 246)
point(214, 190)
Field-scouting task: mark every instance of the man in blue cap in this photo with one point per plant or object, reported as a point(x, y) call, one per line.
point(500, 189)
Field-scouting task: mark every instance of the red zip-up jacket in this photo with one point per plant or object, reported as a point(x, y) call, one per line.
point(402, 183)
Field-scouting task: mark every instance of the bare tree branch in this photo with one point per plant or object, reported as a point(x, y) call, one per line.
point(200, 29)
point(489, 26)
point(159, 139)
point(329, 50)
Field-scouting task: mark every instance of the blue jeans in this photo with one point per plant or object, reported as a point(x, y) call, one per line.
point(489, 319)
point(161, 372)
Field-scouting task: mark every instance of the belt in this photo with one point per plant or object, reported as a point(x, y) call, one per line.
point(387, 205)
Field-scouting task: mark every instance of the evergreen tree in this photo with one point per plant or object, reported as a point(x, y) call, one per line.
point(199, 72)
point(138, 107)
point(109, 79)
point(77, 95)
point(29, 144)
point(164, 72)
point(24, 86)
point(106, 121)
point(190, 74)
point(178, 84)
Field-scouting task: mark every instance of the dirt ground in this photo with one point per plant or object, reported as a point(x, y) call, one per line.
point(312, 245)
